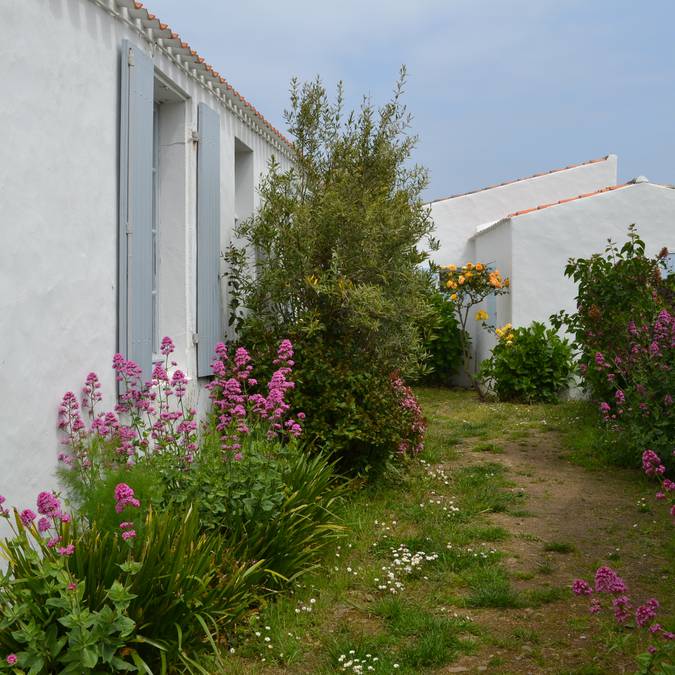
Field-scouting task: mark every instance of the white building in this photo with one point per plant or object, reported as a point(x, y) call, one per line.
point(124, 163)
point(529, 228)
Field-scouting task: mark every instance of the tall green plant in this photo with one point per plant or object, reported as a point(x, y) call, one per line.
point(331, 260)
point(619, 287)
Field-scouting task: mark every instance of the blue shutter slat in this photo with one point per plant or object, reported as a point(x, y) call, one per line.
point(209, 324)
point(135, 226)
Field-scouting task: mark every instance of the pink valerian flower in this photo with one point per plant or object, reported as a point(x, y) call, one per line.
point(622, 607)
point(166, 348)
point(608, 581)
point(72, 586)
point(413, 441)
point(70, 421)
point(129, 534)
point(124, 496)
point(237, 406)
point(48, 504)
point(581, 587)
point(651, 463)
point(27, 517)
point(44, 524)
point(179, 382)
point(66, 550)
point(90, 393)
point(11, 659)
point(53, 542)
point(595, 606)
point(646, 613)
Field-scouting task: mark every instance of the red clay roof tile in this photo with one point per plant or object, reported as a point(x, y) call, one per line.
point(200, 60)
point(564, 201)
point(518, 180)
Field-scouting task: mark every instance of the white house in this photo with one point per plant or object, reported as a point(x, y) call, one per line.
point(124, 163)
point(572, 212)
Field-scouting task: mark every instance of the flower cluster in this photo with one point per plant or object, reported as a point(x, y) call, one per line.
point(404, 563)
point(468, 275)
point(239, 405)
point(654, 468)
point(150, 417)
point(608, 582)
point(505, 333)
point(415, 424)
point(349, 663)
point(124, 496)
point(640, 379)
point(468, 286)
point(48, 522)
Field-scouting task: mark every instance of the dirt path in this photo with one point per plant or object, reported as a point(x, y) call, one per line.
point(585, 518)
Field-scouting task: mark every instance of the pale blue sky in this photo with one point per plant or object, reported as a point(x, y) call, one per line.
point(499, 88)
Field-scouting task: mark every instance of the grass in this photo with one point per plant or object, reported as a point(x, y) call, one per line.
point(559, 547)
point(446, 510)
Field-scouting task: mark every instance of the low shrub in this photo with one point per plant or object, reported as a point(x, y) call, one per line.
point(528, 364)
point(442, 340)
point(159, 598)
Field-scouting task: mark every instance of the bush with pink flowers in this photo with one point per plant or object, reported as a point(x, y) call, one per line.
point(641, 381)
point(624, 331)
point(609, 592)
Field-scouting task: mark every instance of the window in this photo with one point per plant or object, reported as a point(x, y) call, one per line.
point(152, 263)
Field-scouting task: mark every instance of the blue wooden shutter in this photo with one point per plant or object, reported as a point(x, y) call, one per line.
point(135, 208)
point(209, 325)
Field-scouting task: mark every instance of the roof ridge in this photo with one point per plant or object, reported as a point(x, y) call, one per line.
point(609, 188)
point(518, 180)
point(161, 34)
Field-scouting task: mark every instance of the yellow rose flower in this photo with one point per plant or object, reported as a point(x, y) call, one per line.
point(461, 279)
point(451, 284)
point(507, 282)
point(468, 275)
point(479, 267)
point(452, 268)
point(482, 315)
point(469, 266)
point(453, 297)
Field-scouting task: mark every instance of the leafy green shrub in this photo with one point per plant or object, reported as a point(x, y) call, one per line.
point(528, 364)
point(188, 586)
point(623, 331)
point(442, 340)
point(47, 623)
point(160, 598)
point(275, 505)
point(336, 270)
point(642, 379)
point(621, 286)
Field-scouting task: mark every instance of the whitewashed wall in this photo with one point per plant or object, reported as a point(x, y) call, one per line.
point(456, 218)
point(59, 66)
point(544, 240)
point(494, 248)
